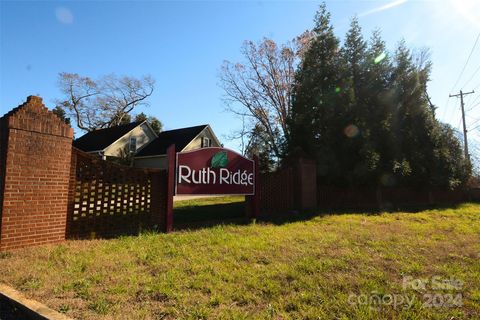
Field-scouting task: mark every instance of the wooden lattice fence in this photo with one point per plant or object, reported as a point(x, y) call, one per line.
point(107, 199)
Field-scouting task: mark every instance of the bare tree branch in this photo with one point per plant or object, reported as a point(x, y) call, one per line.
point(260, 89)
point(105, 102)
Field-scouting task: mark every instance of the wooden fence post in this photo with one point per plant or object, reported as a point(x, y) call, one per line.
point(256, 197)
point(305, 182)
point(253, 202)
point(170, 188)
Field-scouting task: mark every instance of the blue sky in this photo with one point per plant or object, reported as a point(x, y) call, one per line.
point(182, 45)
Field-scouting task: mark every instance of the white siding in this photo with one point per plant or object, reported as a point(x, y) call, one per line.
point(160, 161)
point(197, 142)
point(143, 134)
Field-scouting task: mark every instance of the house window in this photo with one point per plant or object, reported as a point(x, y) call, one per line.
point(206, 142)
point(133, 144)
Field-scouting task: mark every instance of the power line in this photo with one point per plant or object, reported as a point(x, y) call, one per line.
point(473, 75)
point(471, 108)
point(475, 127)
point(473, 101)
point(466, 63)
point(474, 123)
point(472, 97)
point(445, 111)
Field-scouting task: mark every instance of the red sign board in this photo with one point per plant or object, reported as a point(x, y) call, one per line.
point(209, 171)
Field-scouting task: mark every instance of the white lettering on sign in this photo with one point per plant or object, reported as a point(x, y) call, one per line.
point(238, 177)
point(209, 176)
point(224, 173)
point(181, 176)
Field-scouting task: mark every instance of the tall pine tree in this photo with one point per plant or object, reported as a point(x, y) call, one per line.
point(365, 116)
point(315, 96)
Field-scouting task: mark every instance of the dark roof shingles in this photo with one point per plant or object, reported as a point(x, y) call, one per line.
point(100, 139)
point(180, 137)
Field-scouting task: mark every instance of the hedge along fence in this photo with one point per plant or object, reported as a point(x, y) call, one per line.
point(50, 191)
point(108, 199)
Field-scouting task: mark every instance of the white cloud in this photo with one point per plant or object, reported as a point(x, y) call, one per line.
point(387, 6)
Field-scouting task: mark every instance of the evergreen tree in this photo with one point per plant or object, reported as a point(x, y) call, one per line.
point(427, 151)
point(354, 56)
point(315, 96)
point(380, 108)
point(257, 145)
point(366, 117)
point(358, 157)
point(411, 122)
point(61, 114)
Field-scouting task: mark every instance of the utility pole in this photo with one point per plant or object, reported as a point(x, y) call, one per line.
point(461, 94)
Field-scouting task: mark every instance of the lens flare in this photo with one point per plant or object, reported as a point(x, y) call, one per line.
point(338, 89)
point(380, 57)
point(351, 131)
point(468, 9)
point(64, 15)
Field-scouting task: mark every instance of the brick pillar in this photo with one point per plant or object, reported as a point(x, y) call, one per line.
point(35, 158)
point(306, 184)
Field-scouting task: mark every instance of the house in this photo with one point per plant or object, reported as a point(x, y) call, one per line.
point(185, 139)
point(116, 142)
point(148, 148)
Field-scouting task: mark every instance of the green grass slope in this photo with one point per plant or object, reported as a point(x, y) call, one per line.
point(313, 269)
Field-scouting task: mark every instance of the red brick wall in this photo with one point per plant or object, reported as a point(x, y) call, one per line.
point(36, 147)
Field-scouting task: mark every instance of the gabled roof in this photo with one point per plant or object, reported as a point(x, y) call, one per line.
point(100, 139)
point(180, 137)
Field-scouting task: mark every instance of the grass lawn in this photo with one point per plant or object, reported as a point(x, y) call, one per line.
point(312, 269)
point(207, 211)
